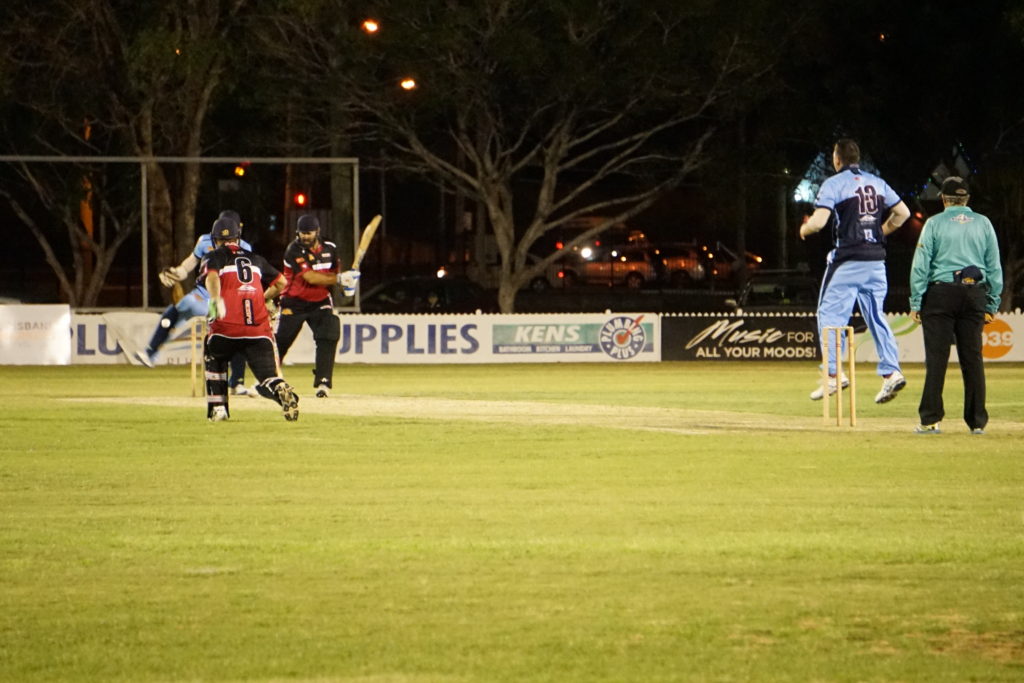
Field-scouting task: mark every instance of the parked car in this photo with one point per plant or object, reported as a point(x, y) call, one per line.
point(722, 262)
point(680, 265)
point(629, 266)
point(778, 290)
point(428, 295)
point(563, 272)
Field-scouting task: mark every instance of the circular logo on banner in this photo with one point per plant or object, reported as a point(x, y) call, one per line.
point(623, 337)
point(996, 339)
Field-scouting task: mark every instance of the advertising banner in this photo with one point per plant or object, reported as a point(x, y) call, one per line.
point(544, 338)
point(53, 335)
point(115, 336)
point(35, 334)
point(998, 340)
point(736, 337)
point(795, 337)
point(541, 338)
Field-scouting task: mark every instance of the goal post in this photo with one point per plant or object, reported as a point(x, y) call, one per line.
point(329, 188)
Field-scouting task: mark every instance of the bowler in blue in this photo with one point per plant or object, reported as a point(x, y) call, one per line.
point(862, 210)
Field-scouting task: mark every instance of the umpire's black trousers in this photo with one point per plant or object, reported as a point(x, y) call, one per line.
point(953, 313)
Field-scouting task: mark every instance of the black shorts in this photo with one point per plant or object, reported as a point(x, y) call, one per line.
point(259, 352)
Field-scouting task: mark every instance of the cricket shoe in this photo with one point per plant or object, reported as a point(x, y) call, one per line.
point(145, 358)
point(818, 393)
point(242, 390)
point(890, 386)
point(928, 429)
point(289, 402)
point(323, 391)
point(219, 414)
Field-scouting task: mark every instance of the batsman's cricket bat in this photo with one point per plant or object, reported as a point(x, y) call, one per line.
point(364, 242)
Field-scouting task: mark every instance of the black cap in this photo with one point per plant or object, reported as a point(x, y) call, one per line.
point(308, 223)
point(226, 229)
point(954, 186)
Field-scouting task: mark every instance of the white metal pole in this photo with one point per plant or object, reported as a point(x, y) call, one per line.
point(145, 239)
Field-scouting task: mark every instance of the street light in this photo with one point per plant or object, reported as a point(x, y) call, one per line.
point(407, 83)
point(370, 26)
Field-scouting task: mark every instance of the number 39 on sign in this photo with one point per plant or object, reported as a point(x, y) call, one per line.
point(996, 339)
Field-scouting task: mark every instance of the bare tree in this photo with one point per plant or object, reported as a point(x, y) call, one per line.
point(584, 109)
point(304, 51)
point(61, 191)
point(140, 76)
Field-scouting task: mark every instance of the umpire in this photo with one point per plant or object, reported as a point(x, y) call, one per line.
point(955, 286)
point(311, 268)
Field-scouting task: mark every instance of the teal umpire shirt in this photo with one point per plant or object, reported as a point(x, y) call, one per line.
point(950, 241)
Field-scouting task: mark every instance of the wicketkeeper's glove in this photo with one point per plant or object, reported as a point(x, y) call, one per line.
point(348, 281)
point(218, 309)
point(168, 276)
point(272, 310)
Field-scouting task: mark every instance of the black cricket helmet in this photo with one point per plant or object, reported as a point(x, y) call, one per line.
point(226, 229)
point(233, 215)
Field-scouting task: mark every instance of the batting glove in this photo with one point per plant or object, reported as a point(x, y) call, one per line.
point(168, 276)
point(218, 309)
point(348, 281)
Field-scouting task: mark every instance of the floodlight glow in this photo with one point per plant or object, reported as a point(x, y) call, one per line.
point(803, 192)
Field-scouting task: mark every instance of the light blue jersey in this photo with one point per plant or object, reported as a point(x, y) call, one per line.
point(859, 202)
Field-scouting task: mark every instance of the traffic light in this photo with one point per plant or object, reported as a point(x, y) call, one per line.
point(300, 199)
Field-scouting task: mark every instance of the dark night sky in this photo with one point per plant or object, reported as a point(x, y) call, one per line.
point(909, 80)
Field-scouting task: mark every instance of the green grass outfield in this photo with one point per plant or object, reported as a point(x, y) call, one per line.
point(640, 522)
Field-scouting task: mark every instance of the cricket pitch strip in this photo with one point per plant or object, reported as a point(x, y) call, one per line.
point(632, 418)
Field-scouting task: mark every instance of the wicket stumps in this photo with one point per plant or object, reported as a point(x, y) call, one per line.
point(197, 338)
point(836, 334)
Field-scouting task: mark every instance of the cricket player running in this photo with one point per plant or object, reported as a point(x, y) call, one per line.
point(241, 284)
point(856, 202)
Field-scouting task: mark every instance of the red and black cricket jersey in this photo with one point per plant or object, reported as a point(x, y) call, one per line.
point(244, 277)
point(323, 258)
